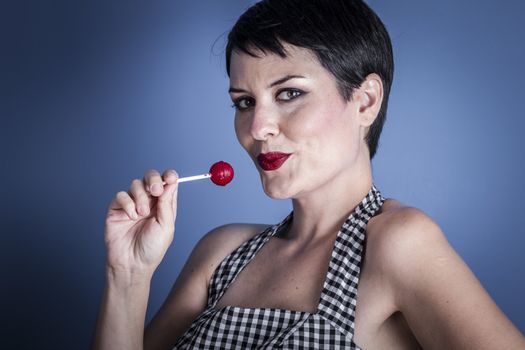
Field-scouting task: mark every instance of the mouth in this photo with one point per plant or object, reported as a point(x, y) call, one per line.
point(272, 160)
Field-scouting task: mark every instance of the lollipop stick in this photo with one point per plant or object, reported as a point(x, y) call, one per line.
point(191, 178)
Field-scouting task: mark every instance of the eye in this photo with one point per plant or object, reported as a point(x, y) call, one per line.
point(288, 94)
point(243, 103)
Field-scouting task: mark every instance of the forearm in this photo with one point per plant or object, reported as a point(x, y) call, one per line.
point(122, 314)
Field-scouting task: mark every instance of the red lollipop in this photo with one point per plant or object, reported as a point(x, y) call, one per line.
point(221, 174)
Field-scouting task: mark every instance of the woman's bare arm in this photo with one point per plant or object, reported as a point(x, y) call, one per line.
point(444, 303)
point(139, 228)
point(120, 322)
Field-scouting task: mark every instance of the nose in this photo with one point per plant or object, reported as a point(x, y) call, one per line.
point(264, 123)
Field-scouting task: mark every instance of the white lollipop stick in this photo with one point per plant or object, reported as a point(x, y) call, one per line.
point(192, 178)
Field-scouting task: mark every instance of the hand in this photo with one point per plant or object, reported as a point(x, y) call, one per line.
point(140, 223)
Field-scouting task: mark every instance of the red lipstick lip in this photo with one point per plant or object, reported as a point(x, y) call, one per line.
point(272, 160)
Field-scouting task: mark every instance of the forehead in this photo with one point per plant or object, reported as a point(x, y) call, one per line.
point(245, 68)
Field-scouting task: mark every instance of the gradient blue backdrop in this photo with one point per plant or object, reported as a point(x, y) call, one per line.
point(95, 93)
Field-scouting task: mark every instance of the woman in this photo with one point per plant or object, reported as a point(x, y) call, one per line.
point(310, 82)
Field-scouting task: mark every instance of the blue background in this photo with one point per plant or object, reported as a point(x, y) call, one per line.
point(95, 93)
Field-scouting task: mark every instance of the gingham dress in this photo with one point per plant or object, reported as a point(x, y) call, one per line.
point(331, 327)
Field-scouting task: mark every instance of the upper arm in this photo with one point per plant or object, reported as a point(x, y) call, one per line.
point(443, 302)
point(189, 295)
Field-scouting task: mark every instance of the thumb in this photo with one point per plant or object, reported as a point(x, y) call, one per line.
point(167, 205)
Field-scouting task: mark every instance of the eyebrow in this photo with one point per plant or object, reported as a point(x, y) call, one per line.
point(277, 82)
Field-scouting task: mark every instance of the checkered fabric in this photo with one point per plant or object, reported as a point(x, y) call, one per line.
point(331, 327)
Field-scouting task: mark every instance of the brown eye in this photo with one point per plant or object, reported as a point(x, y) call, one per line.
point(289, 94)
point(243, 103)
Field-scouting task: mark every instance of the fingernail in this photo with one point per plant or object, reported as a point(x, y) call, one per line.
point(156, 187)
point(174, 173)
point(134, 215)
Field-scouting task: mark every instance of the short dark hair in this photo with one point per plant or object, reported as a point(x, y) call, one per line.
point(348, 38)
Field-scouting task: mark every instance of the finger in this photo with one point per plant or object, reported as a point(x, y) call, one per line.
point(167, 207)
point(140, 196)
point(122, 201)
point(170, 176)
point(153, 182)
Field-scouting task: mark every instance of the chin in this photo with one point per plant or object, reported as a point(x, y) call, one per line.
point(276, 195)
point(276, 190)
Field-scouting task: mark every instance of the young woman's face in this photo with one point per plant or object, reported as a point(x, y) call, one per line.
point(292, 106)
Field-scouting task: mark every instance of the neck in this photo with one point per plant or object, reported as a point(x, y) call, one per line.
point(319, 214)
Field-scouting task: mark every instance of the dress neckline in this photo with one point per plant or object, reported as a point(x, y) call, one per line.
point(354, 225)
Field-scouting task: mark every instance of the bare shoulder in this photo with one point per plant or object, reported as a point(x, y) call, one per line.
point(397, 218)
point(218, 243)
point(444, 304)
point(404, 244)
point(401, 234)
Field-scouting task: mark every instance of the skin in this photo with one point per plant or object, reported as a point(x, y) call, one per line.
point(414, 291)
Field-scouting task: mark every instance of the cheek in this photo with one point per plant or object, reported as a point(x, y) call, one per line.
point(317, 122)
point(242, 131)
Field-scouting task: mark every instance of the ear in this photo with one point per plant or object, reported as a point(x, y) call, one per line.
point(369, 98)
